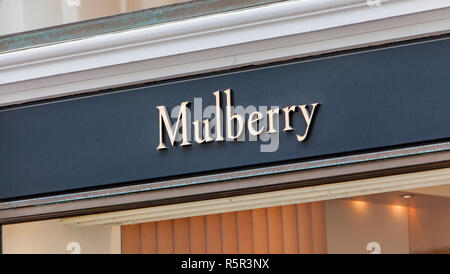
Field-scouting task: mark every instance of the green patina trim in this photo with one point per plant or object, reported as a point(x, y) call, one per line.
point(122, 22)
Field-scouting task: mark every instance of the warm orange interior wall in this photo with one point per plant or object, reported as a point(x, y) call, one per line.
point(283, 229)
point(428, 229)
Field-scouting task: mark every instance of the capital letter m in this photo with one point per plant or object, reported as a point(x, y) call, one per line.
point(172, 131)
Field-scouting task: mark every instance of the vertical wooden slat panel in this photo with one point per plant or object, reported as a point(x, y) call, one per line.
point(319, 228)
point(197, 234)
point(245, 235)
point(297, 228)
point(164, 234)
point(181, 235)
point(131, 239)
point(289, 217)
point(148, 238)
point(275, 230)
point(305, 243)
point(259, 223)
point(229, 233)
point(213, 234)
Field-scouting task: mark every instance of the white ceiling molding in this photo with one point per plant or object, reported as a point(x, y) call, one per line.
point(258, 35)
point(348, 189)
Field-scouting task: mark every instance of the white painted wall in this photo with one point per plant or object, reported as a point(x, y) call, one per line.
point(24, 15)
point(145, 4)
point(70, 12)
point(52, 237)
point(11, 16)
point(351, 225)
point(41, 14)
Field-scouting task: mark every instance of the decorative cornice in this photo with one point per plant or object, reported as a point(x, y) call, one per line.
point(256, 35)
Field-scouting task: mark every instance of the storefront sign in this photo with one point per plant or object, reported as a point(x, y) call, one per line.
point(323, 107)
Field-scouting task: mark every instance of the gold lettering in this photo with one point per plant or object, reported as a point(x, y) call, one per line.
point(219, 119)
point(238, 118)
point(202, 129)
point(287, 121)
point(308, 118)
point(270, 114)
point(198, 132)
point(252, 120)
point(164, 118)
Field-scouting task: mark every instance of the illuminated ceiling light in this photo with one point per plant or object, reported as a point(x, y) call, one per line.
point(407, 196)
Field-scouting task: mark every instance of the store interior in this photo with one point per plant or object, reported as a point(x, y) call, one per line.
point(412, 221)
